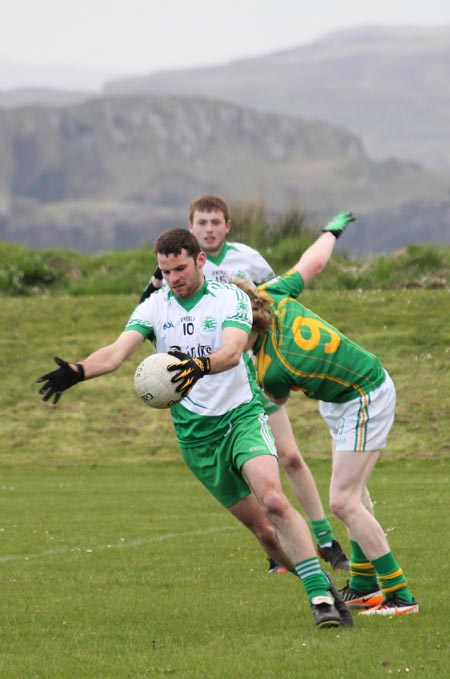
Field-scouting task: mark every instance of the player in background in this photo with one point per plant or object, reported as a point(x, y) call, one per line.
point(297, 350)
point(220, 424)
point(209, 221)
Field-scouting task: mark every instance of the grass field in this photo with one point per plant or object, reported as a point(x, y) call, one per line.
point(134, 571)
point(116, 564)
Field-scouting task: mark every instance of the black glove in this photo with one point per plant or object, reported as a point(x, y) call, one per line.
point(188, 371)
point(157, 274)
point(150, 289)
point(59, 380)
point(338, 223)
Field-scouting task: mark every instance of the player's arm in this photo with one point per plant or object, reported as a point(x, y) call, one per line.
point(188, 370)
point(234, 343)
point(102, 361)
point(316, 257)
point(109, 358)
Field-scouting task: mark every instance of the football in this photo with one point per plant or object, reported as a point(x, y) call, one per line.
point(153, 384)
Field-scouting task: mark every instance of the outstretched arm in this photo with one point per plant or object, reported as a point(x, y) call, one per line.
point(102, 361)
point(111, 357)
point(315, 258)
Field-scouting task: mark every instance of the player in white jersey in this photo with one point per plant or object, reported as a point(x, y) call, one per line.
point(220, 423)
point(209, 221)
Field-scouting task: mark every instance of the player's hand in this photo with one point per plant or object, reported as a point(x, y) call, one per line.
point(150, 289)
point(338, 224)
point(157, 274)
point(57, 381)
point(188, 370)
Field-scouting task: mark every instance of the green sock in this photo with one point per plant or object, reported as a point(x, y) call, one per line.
point(391, 577)
point(322, 531)
point(313, 578)
point(363, 574)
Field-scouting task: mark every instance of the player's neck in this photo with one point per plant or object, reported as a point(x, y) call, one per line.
point(217, 255)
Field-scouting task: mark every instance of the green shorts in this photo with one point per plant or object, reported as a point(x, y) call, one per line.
point(218, 463)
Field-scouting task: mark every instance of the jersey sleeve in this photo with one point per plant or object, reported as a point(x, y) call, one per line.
point(239, 314)
point(261, 269)
point(141, 319)
point(291, 284)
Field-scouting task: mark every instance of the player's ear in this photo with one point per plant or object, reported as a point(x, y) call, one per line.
point(201, 260)
point(228, 226)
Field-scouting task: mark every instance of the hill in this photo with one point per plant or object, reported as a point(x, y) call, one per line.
point(112, 172)
point(390, 86)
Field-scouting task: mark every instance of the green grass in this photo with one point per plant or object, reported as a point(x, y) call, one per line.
point(115, 563)
point(97, 421)
point(134, 571)
point(26, 271)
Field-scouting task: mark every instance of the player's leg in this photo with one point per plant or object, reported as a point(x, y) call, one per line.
point(364, 424)
point(362, 590)
point(213, 465)
point(218, 465)
point(248, 512)
point(304, 487)
point(371, 554)
point(254, 455)
point(262, 475)
point(351, 471)
point(349, 499)
point(298, 473)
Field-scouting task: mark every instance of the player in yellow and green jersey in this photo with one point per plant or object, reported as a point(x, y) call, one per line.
point(297, 350)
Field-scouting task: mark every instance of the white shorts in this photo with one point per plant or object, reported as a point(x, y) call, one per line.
point(364, 422)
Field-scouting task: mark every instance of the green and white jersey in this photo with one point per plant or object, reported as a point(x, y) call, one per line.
point(195, 326)
point(303, 352)
point(237, 260)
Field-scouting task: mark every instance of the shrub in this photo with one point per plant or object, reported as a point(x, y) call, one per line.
point(23, 270)
point(281, 240)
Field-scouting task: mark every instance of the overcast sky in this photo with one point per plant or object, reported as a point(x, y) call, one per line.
point(130, 37)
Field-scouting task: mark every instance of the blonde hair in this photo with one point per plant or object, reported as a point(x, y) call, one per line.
point(261, 306)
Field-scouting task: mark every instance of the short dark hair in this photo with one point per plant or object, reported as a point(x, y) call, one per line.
point(208, 204)
point(173, 241)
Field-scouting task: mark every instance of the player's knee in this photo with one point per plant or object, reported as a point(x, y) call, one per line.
point(342, 504)
point(274, 503)
point(291, 461)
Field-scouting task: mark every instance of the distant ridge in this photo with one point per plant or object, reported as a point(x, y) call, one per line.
point(390, 86)
point(111, 173)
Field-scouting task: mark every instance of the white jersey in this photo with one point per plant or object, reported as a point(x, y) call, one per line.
point(237, 260)
point(195, 326)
